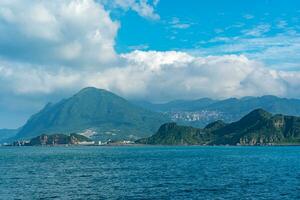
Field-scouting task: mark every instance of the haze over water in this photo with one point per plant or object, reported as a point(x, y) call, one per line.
point(150, 172)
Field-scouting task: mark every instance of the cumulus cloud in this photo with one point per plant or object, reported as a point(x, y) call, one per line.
point(59, 32)
point(27, 79)
point(162, 76)
point(159, 76)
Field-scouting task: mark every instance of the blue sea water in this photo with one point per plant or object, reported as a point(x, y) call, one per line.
point(150, 172)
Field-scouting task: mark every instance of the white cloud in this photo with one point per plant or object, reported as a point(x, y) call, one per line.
point(257, 31)
point(248, 16)
point(177, 24)
point(282, 24)
point(281, 51)
point(143, 7)
point(24, 79)
point(160, 76)
point(61, 32)
point(173, 75)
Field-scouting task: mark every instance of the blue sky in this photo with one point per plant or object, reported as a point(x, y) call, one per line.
point(206, 26)
point(155, 50)
point(204, 21)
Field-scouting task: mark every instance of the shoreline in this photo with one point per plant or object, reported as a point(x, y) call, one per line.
point(153, 145)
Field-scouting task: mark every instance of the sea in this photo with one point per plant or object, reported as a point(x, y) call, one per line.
point(150, 172)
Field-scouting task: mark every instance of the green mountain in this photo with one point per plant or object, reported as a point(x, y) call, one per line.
point(58, 139)
point(199, 113)
point(93, 112)
point(172, 134)
point(5, 134)
point(259, 127)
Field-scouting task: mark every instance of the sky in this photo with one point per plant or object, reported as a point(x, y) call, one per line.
point(154, 50)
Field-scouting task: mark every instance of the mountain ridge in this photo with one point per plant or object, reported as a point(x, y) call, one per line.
point(187, 112)
point(258, 127)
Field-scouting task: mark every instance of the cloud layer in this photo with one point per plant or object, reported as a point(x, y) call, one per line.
point(159, 76)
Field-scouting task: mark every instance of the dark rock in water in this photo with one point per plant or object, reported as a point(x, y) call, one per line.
point(58, 139)
point(257, 128)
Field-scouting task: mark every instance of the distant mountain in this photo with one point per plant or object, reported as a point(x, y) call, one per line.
point(93, 112)
point(6, 134)
point(58, 139)
point(177, 105)
point(259, 127)
point(200, 112)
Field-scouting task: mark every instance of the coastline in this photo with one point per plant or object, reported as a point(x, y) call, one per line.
point(153, 145)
